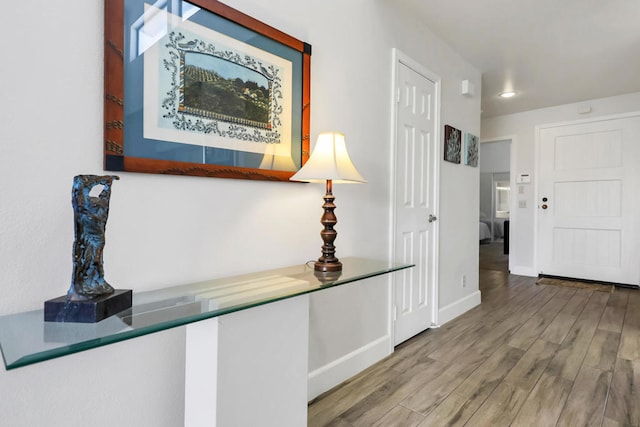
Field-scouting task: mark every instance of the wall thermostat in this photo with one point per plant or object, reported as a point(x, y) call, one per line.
point(523, 178)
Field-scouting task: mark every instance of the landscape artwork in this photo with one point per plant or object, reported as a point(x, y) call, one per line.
point(471, 150)
point(204, 88)
point(220, 89)
point(452, 144)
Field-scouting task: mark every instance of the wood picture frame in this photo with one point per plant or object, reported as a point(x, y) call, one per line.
point(199, 88)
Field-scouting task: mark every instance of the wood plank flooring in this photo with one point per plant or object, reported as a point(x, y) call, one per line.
point(529, 355)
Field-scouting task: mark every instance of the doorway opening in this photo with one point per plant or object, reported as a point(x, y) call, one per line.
point(495, 205)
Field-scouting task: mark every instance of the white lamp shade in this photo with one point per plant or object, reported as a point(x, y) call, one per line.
point(329, 160)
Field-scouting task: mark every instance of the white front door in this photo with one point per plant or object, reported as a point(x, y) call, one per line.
point(415, 184)
point(589, 200)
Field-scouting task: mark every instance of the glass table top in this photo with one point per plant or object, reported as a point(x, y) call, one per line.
point(25, 338)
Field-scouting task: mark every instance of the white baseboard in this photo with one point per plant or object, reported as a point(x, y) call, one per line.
point(336, 372)
point(459, 307)
point(523, 271)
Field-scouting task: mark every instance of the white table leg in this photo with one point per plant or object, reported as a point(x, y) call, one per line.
point(257, 374)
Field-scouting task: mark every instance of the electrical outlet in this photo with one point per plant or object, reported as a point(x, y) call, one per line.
point(464, 281)
point(522, 203)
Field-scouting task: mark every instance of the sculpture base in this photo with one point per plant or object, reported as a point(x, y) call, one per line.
point(90, 311)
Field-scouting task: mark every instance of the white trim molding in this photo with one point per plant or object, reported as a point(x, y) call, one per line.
point(519, 270)
point(335, 372)
point(459, 307)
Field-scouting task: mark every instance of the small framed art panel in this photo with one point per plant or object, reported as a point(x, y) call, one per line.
point(471, 143)
point(452, 144)
point(199, 88)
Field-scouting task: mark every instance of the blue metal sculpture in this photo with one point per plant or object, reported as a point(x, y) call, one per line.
point(90, 220)
point(90, 298)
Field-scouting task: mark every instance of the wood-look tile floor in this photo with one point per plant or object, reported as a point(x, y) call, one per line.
point(529, 355)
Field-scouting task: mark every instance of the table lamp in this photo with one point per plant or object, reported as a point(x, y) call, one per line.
point(329, 162)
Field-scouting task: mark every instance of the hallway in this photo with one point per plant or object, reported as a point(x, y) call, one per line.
point(492, 257)
point(528, 355)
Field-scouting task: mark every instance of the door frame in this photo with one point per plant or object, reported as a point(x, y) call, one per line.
point(513, 196)
point(398, 57)
point(536, 194)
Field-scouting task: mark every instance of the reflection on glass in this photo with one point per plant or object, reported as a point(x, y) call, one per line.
point(155, 23)
point(25, 338)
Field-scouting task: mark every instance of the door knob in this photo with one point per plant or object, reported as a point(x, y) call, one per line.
point(432, 218)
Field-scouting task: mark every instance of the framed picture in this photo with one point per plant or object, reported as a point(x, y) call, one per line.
point(452, 144)
point(199, 88)
point(471, 150)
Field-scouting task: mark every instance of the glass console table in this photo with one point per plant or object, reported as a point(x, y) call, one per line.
point(25, 338)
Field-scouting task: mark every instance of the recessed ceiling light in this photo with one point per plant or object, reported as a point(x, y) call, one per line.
point(508, 94)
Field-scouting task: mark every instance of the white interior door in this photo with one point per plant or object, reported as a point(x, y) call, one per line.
point(589, 202)
point(415, 184)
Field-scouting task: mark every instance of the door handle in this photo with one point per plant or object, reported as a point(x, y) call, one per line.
point(432, 218)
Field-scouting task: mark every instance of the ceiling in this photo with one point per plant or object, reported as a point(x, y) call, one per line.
point(552, 52)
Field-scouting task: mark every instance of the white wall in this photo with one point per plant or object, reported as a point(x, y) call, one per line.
point(486, 196)
point(166, 230)
point(495, 156)
point(522, 127)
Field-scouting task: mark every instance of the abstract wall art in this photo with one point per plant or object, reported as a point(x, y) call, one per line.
point(471, 150)
point(452, 144)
